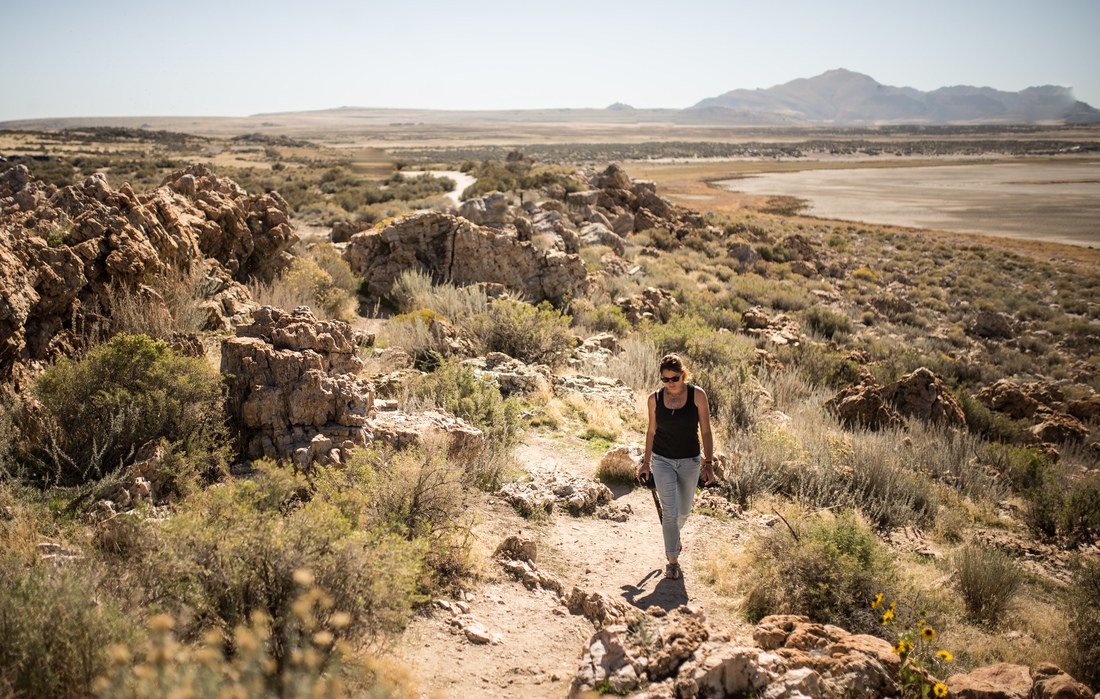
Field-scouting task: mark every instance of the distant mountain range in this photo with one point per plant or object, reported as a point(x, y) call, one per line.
point(834, 98)
point(843, 97)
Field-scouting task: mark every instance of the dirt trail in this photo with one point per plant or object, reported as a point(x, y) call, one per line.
point(540, 642)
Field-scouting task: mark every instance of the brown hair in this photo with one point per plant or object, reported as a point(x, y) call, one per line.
point(673, 362)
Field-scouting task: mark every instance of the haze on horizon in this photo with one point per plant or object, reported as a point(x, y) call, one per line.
point(127, 58)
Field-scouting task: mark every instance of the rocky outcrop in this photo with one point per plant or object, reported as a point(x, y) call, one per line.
point(492, 210)
point(864, 405)
point(925, 396)
point(779, 329)
point(295, 393)
point(991, 325)
point(511, 376)
point(455, 250)
point(1056, 428)
point(63, 249)
point(1008, 397)
point(1000, 681)
point(576, 495)
point(651, 304)
point(294, 390)
point(920, 394)
point(678, 654)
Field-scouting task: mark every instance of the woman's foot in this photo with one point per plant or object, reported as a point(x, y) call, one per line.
point(673, 571)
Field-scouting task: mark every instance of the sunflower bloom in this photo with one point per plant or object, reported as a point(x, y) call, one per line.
point(940, 690)
point(944, 656)
point(877, 602)
point(928, 633)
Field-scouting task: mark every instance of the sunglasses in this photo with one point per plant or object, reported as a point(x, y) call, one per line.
point(670, 379)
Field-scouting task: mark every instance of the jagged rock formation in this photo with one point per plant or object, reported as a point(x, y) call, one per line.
point(662, 655)
point(293, 387)
point(1054, 420)
point(923, 395)
point(63, 249)
point(920, 394)
point(455, 250)
point(295, 393)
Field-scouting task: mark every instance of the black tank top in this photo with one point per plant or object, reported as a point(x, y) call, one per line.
point(677, 429)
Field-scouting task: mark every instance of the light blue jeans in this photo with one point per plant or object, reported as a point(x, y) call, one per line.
point(675, 480)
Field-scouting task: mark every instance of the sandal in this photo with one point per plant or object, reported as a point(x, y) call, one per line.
point(673, 571)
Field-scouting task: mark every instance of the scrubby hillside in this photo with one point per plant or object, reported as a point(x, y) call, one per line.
point(207, 485)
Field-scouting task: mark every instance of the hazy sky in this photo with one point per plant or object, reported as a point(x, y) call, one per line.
point(228, 58)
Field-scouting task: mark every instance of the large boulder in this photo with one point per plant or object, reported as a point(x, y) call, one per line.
point(455, 250)
point(293, 387)
point(1000, 681)
point(925, 396)
point(1006, 396)
point(295, 393)
point(1059, 427)
point(864, 405)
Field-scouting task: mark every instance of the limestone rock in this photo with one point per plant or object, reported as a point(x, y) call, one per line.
point(490, 210)
point(62, 250)
point(1050, 682)
point(864, 405)
point(991, 325)
point(652, 303)
point(517, 548)
point(612, 391)
point(578, 496)
point(511, 376)
point(601, 234)
point(1007, 397)
point(1000, 681)
point(292, 378)
point(922, 394)
point(1058, 428)
point(456, 250)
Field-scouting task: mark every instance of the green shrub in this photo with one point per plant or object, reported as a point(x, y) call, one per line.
point(534, 335)
point(417, 494)
point(603, 318)
point(54, 626)
point(829, 571)
point(455, 388)
point(988, 580)
point(828, 323)
point(1084, 623)
point(238, 547)
point(97, 412)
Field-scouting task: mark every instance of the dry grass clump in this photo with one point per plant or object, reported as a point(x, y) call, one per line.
point(455, 388)
point(988, 581)
point(1084, 623)
point(51, 633)
point(171, 305)
point(414, 289)
point(318, 278)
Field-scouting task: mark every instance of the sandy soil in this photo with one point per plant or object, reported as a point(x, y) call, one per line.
point(540, 641)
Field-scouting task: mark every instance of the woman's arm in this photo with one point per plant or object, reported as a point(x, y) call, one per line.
point(702, 403)
point(649, 434)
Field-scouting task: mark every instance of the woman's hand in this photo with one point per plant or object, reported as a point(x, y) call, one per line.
point(708, 472)
point(644, 470)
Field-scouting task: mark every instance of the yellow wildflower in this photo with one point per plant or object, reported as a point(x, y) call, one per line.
point(944, 656)
point(928, 633)
point(877, 602)
point(888, 616)
point(940, 690)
